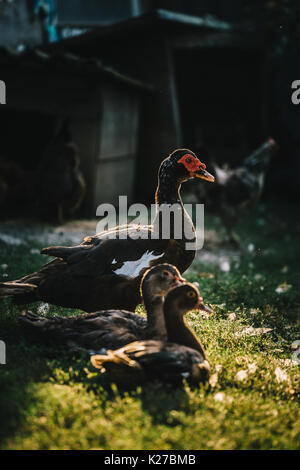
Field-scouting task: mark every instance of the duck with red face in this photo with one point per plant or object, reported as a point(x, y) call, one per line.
point(195, 168)
point(106, 269)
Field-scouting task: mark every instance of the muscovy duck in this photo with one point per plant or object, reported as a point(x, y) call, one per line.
point(237, 191)
point(109, 328)
point(182, 356)
point(106, 269)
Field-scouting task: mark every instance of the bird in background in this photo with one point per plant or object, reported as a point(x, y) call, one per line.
point(237, 191)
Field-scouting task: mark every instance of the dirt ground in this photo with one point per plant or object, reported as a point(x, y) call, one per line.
point(18, 232)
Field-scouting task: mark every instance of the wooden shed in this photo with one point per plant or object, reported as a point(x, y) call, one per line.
point(103, 107)
point(210, 78)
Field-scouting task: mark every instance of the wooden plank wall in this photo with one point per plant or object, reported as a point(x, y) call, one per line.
point(116, 161)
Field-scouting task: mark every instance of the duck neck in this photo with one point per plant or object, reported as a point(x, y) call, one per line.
point(168, 191)
point(171, 219)
point(156, 325)
point(178, 330)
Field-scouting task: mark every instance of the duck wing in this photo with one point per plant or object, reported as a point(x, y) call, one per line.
point(123, 251)
point(167, 362)
point(106, 329)
point(93, 331)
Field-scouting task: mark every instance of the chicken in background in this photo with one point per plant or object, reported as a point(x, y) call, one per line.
point(237, 191)
point(60, 184)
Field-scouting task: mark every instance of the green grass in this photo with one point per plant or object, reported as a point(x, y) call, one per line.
point(49, 400)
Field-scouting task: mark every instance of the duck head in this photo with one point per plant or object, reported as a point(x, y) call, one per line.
point(182, 165)
point(158, 280)
point(185, 298)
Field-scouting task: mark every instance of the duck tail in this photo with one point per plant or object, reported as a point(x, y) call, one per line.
point(29, 317)
point(117, 357)
point(67, 253)
point(120, 368)
point(12, 289)
point(99, 359)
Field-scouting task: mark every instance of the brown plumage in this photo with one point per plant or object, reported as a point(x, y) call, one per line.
point(105, 270)
point(16, 289)
point(108, 328)
point(182, 356)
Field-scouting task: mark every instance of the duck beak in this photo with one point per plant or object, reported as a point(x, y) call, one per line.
point(178, 281)
point(204, 175)
point(204, 308)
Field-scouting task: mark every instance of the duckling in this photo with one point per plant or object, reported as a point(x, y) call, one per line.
point(109, 328)
point(182, 356)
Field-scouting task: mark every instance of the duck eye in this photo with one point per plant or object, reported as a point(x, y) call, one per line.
point(166, 273)
point(188, 160)
point(191, 294)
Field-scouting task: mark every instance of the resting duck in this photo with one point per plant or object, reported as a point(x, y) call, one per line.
point(105, 271)
point(181, 357)
point(109, 328)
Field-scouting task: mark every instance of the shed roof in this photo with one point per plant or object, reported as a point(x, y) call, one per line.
point(156, 19)
point(65, 62)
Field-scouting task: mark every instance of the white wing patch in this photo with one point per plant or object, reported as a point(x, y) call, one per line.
point(133, 268)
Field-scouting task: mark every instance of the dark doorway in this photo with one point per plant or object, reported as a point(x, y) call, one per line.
point(221, 100)
point(24, 135)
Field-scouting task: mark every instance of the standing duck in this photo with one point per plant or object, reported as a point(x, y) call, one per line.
point(109, 328)
point(180, 357)
point(105, 271)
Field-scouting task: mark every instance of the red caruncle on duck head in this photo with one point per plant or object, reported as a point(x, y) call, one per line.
point(194, 166)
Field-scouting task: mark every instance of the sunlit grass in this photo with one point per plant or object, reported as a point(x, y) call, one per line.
point(50, 400)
